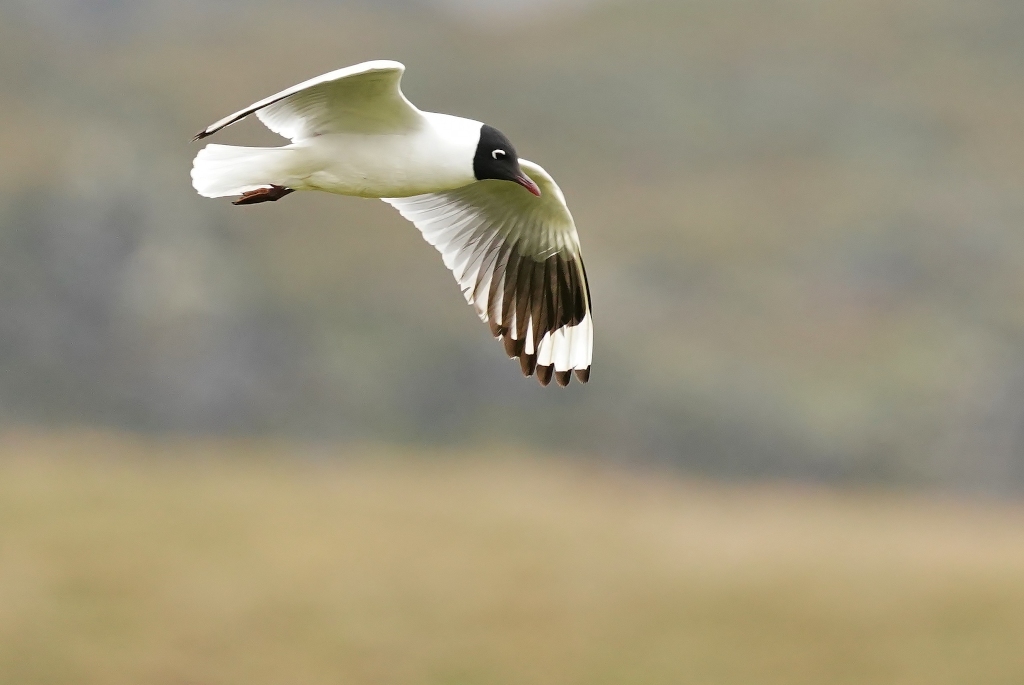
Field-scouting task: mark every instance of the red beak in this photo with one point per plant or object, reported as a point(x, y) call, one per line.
point(527, 182)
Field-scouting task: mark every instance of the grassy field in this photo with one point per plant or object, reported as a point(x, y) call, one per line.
point(124, 561)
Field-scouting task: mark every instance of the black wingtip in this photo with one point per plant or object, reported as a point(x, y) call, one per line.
point(199, 136)
point(528, 362)
point(583, 375)
point(513, 347)
point(563, 377)
point(544, 374)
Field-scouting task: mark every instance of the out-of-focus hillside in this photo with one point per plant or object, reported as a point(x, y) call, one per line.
point(128, 562)
point(802, 222)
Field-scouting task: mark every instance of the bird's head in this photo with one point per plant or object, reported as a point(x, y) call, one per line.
point(496, 159)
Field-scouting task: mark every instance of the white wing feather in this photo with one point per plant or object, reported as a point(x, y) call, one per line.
point(364, 98)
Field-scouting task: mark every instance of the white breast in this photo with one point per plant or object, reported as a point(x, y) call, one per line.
point(436, 157)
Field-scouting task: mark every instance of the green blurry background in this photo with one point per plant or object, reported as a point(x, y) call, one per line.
point(273, 444)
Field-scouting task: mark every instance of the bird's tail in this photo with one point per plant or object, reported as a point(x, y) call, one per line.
point(224, 170)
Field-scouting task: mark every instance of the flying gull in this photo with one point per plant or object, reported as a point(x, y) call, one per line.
point(500, 222)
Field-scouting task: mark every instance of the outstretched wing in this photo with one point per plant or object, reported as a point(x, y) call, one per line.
point(365, 98)
point(517, 259)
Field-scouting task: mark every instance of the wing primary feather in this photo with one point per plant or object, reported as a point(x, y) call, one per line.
point(528, 363)
point(495, 312)
point(508, 296)
point(544, 374)
point(568, 294)
point(529, 273)
point(513, 346)
point(552, 298)
point(538, 296)
point(486, 272)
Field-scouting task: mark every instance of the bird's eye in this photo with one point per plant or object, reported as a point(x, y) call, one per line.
point(498, 154)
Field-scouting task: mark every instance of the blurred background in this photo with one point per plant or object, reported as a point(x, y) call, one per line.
point(273, 444)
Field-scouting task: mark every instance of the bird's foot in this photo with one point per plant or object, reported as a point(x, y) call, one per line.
point(271, 194)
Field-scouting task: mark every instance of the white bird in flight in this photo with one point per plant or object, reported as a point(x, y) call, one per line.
point(500, 223)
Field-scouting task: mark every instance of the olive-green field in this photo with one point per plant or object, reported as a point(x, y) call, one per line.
point(130, 561)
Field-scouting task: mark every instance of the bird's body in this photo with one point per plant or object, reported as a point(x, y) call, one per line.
point(430, 159)
point(500, 222)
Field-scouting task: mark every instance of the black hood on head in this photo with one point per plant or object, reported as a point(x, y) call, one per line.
point(495, 157)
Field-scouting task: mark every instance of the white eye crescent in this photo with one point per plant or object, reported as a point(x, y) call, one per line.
point(498, 154)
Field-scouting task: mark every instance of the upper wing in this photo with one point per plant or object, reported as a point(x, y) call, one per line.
point(517, 259)
point(365, 98)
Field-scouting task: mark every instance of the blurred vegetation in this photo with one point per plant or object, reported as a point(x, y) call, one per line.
point(126, 561)
point(802, 222)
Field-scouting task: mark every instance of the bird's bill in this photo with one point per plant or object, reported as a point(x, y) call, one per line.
point(527, 182)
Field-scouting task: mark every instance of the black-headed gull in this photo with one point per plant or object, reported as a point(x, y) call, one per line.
point(499, 222)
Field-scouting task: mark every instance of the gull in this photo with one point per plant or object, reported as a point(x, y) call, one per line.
point(500, 222)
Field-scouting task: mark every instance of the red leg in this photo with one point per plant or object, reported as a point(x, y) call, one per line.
point(271, 194)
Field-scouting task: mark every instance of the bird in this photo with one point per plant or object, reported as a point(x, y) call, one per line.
point(500, 222)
